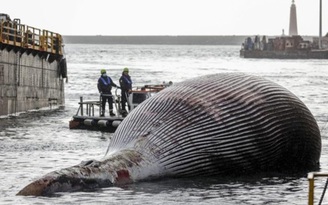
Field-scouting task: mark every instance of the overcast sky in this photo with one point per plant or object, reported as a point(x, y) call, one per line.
point(168, 17)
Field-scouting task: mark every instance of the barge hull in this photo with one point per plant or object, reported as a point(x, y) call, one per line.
point(32, 67)
point(28, 82)
point(285, 54)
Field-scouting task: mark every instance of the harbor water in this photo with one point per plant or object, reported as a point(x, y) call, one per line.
point(35, 143)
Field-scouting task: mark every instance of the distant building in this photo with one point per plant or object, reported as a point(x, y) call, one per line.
point(293, 20)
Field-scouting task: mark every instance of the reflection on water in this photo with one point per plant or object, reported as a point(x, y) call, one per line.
point(36, 143)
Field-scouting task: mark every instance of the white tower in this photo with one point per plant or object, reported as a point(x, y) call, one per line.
point(293, 20)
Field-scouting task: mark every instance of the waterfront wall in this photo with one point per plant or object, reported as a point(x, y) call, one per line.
point(28, 81)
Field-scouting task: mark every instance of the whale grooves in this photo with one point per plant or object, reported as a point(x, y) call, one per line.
point(226, 123)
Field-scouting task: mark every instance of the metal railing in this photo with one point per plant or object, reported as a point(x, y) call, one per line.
point(311, 177)
point(20, 35)
point(90, 107)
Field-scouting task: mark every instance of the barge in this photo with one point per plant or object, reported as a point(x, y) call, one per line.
point(284, 47)
point(292, 46)
point(88, 115)
point(32, 67)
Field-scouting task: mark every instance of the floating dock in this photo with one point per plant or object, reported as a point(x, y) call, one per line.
point(88, 113)
point(87, 118)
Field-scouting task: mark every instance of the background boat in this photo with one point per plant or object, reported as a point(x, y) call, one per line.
point(287, 46)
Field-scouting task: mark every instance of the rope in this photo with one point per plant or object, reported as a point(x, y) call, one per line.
point(323, 192)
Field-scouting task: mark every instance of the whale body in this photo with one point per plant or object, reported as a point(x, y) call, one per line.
point(228, 123)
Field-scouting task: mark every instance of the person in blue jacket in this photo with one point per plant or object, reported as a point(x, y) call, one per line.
point(126, 88)
point(105, 84)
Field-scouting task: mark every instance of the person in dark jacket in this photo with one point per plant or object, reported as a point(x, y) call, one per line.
point(126, 88)
point(105, 84)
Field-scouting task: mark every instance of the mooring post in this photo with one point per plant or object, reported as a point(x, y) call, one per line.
point(81, 105)
point(311, 188)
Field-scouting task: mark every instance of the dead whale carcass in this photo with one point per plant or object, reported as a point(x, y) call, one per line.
point(211, 125)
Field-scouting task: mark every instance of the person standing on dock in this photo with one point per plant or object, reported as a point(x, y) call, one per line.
point(105, 84)
point(126, 88)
